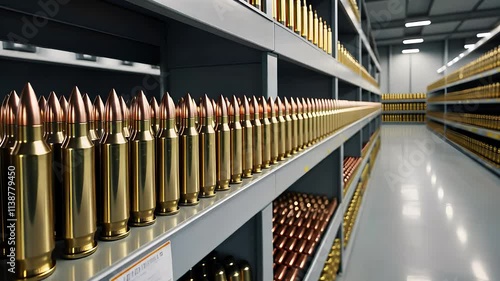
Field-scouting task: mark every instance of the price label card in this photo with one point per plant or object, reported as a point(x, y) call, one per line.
point(156, 266)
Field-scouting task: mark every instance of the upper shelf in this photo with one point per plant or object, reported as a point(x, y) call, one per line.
point(357, 25)
point(472, 101)
point(468, 79)
point(403, 101)
point(492, 134)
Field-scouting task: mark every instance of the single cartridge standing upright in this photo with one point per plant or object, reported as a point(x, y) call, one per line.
point(246, 125)
point(236, 140)
point(155, 116)
point(8, 112)
point(31, 159)
point(167, 162)
point(266, 133)
point(114, 173)
point(54, 136)
point(189, 152)
point(300, 125)
point(223, 145)
point(282, 130)
point(256, 135)
point(288, 127)
point(208, 159)
point(142, 164)
point(126, 118)
point(275, 129)
point(305, 115)
point(312, 122)
point(80, 216)
point(295, 126)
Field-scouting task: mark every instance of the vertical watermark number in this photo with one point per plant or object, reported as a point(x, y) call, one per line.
point(11, 219)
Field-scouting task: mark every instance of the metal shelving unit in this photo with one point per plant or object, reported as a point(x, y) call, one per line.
point(467, 80)
point(404, 112)
point(478, 101)
point(492, 134)
point(404, 101)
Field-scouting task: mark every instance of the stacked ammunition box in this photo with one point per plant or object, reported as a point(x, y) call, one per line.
point(490, 60)
point(216, 268)
point(350, 167)
point(299, 221)
point(487, 121)
point(332, 264)
point(347, 59)
point(301, 19)
point(491, 91)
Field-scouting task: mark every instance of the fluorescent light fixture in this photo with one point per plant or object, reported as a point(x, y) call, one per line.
point(468, 46)
point(449, 211)
point(462, 235)
point(484, 34)
point(461, 55)
point(479, 271)
point(410, 51)
point(413, 41)
point(441, 70)
point(418, 23)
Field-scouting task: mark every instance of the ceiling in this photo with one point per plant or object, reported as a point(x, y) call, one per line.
point(450, 19)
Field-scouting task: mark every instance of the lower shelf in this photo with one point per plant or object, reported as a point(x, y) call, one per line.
point(403, 123)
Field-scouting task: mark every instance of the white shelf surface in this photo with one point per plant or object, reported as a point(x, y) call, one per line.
point(492, 134)
point(294, 48)
point(404, 101)
point(478, 76)
point(206, 225)
point(483, 162)
point(471, 101)
point(404, 112)
point(403, 123)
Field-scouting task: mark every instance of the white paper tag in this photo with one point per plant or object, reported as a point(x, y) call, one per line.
point(157, 266)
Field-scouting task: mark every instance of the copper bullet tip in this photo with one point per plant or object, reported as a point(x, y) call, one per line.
point(124, 108)
point(154, 107)
point(53, 111)
point(263, 108)
point(167, 109)
point(280, 106)
point(206, 107)
point(89, 108)
point(255, 109)
point(64, 105)
point(113, 110)
point(98, 108)
point(76, 108)
point(191, 108)
point(28, 112)
point(245, 106)
point(141, 109)
point(10, 109)
point(42, 103)
point(221, 107)
point(294, 106)
point(272, 109)
point(234, 106)
point(288, 106)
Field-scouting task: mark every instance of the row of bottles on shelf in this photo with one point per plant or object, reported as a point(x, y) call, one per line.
point(347, 59)
point(332, 263)
point(403, 117)
point(401, 96)
point(489, 60)
point(174, 154)
point(295, 15)
point(404, 106)
point(487, 121)
point(486, 151)
point(491, 91)
point(349, 169)
point(215, 268)
point(299, 221)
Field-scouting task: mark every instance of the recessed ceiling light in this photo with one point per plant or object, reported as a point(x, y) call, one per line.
point(441, 69)
point(461, 55)
point(413, 41)
point(468, 46)
point(418, 23)
point(484, 34)
point(410, 51)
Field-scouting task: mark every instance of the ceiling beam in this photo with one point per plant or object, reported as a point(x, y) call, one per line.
point(378, 25)
point(429, 37)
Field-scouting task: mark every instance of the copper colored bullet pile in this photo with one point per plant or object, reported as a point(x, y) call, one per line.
point(217, 268)
point(299, 221)
point(350, 166)
point(332, 263)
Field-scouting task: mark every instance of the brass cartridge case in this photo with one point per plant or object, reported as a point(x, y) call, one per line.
point(304, 28)
point(298, 17)
point(329, 38)
point(272, 111)
point(208, 159)
point(80, 216)
point(310, 25)
point(282, 130)
point(316, 29)
point(31, 157)
point(289, 128)
point(321, 118)
point(325, 37)
point(256, 135)
point(142, 163)
point(167, 162)
point(314, 114)
point(155, 116)
point(312, 123)
point(245, 271)
point(247, 138)
point(223, 145)
point(274, 9)
point(236, 140)
point(305, 116)
point(42, 103)
point(300, 125)
point(189, 152)
point(320, 32)
point(53, 135)
point(98, 116)
point(8, 112)
point(282, 11)
point(114, 170)
point(126, 118)
point(290, 14)
point(266, 133)
point(295, 126)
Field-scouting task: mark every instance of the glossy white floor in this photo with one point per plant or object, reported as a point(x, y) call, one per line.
point(430, 214)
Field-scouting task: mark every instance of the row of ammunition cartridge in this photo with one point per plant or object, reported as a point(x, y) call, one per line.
point(355, 9)
point(487, 121)
point(491, 91)
point(398, 96)
point(347, 59)
point(488, 152)
point(349, 169)
point(403, 118)
point(332, 264)
point(404, 106)
point(259, 4)
point(299, 221)
point(79, 165)
point(215, 268)
point(295, 15)
point(489, 60)
point(368, 144)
